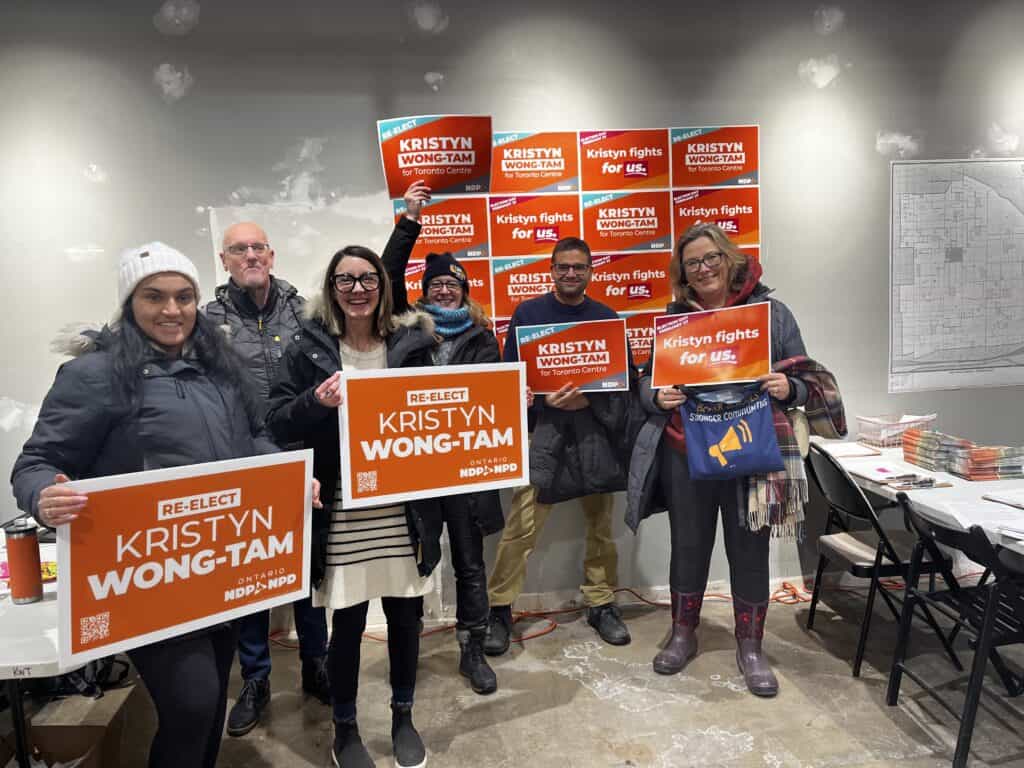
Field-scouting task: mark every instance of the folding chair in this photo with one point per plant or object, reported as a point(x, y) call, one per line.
point(991, 613)
point(868, 550)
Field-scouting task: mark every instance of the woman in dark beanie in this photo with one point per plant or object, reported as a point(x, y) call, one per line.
point(464, 337)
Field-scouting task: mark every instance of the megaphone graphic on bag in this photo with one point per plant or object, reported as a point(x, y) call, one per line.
point(734, 439)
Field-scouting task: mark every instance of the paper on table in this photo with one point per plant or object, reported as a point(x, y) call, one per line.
point(986, 514)
point(851, 450)
point(1014, 498)
point(878, 472)
point(910, 417)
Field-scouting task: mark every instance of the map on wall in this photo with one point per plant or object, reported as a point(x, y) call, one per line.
point(956, 270)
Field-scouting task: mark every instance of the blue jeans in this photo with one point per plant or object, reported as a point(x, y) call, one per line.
point(254, 638)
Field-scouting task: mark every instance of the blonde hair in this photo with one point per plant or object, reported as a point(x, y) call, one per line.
point(737, 262)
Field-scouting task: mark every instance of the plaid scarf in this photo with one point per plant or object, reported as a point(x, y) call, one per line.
point(777, 499)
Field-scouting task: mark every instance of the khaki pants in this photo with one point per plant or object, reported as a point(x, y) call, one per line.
point(525, 519)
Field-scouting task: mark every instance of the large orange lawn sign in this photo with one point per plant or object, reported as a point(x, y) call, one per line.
point(160, 553)
point(589, 355)
point(452, 153)
point(412, 433)
point(718, 346)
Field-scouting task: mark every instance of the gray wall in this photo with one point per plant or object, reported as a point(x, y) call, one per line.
point(95, 155)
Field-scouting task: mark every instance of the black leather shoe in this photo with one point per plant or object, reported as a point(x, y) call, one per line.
point(348, 750)
point(246, 713)
point(607, 620)
point(314, 679)
point(499, 630)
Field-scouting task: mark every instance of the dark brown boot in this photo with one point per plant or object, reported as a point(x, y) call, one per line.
point(682, 645)
point(750, 659)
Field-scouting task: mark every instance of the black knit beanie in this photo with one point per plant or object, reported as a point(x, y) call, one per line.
point(444, 264)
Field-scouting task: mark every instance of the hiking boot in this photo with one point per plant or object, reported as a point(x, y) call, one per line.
point(499, 630)
point(314, 679)
point(472, 662)
point(246, 713)
point(405, 741)
point(607, 620)
point(348, 750)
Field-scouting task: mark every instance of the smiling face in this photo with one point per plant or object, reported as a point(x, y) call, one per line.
point(247, 256)
point(164, 306)
point(706, 270)
point(445, 291)
point(570, 272)
point(353, 297)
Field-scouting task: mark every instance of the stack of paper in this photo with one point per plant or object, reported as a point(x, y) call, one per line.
point(932, 450)
point(983, 462)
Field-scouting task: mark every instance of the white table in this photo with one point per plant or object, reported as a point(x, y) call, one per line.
point(28, 648)
point(959, 506)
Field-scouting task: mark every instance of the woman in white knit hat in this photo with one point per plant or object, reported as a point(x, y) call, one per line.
point(158, 387)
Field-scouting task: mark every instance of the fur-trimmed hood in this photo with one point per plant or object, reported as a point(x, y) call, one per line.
point(316, 310)
point(77, 339)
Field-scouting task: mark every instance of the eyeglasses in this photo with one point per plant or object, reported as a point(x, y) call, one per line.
point(345, 283)
point(563, 269)
point(709, 260)
point(436, 286)
point(240, 249)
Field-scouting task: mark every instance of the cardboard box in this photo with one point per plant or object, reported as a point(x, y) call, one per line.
point(66, 729)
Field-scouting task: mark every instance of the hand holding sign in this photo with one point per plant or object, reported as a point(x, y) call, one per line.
point(328, 394)
point(776, 385)
point(416, 196)
point(669, 399)
point(568, 398)
point(59, 504)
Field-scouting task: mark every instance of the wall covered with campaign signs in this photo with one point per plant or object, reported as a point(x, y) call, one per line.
point(503, 199)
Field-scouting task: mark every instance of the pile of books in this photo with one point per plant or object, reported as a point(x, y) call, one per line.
point(931, 449)
point(940, 452)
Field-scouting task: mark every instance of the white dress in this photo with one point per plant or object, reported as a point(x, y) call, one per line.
point(369, 551)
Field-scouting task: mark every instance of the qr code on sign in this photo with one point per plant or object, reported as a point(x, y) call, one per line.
point(94, 628)
point(366, 481)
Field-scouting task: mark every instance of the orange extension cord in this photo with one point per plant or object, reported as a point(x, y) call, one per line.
point(787, 594)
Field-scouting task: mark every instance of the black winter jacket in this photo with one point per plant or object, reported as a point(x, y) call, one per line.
point(258, 335)
point(295, 415)
point(474, 345)
point(86, 430)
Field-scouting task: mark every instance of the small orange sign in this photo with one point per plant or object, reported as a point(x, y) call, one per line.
point(627, 221)
point(160, 553)
point(530, 225)
point(589, 355)
point(452, 153)
point(736, 210)
point(454, 224)
point(412, 433)
point(716, 156)
point(516, 280)
point(631, 282)
point(534, 162)
point(719, 346)
point(631, 159)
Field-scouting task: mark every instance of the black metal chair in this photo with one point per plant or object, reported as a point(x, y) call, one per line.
point(991, 613)
point(854, 536)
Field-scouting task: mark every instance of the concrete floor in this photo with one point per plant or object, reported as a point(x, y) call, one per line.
point(567, 700)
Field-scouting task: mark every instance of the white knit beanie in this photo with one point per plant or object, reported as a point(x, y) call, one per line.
point(150, 259)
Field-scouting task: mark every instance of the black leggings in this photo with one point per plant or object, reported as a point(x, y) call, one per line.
point(187, 678)
point(404, 625)
point(693, 518)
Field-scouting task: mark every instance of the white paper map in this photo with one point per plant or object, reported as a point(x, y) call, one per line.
point(956, 271)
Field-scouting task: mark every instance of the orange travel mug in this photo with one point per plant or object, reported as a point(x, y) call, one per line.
point(23, 563)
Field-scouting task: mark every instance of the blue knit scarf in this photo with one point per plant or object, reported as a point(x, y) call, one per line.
point(449, 322)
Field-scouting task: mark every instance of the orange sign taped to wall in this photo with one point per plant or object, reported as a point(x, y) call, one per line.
point(530, 225)
point(736, 210)
point(627, 221)
point(631, 159)
point(516, 280)
point(718, 346)
point(640, 334)
point(411, 433)
point(534, 162)
point(715, 156)
point(157, 554)
point(631, 282)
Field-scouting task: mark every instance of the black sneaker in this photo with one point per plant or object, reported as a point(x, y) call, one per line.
point(607, 620)
point(348, 750)
point(314, 679)
point(246, 713)
point(405, 741)
point(473, 664)
point(499, 630)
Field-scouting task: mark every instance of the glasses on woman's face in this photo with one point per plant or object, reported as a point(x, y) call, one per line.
point(709, 260)
point(440, 286)
point(346, 283)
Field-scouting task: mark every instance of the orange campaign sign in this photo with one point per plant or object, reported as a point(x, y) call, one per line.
point(719, 346)
point(516, 280)
point(631, 282)
point(632, 159)
point(640, 334)
point(412, 433)
point(735, 209)
point(478, 272)
point(534, 162)
point(452, 153)
point(527, 225)
point(455, 224)
point(627, 221)
point(160, 553)
point(589, 355)
point(715, 156)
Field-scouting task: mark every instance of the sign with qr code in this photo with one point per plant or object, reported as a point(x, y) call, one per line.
point(161, 553)
point(413, 433)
